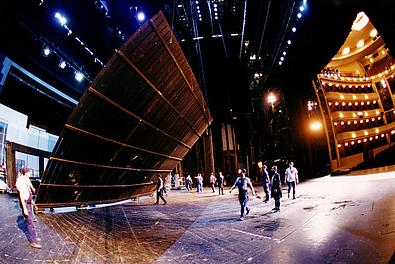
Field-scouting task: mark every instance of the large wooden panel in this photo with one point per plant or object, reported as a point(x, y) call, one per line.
point(140, 116)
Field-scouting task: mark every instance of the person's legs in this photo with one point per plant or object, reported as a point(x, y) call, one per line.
point(293, 186)
point(30, 225)
point(277, 204)
point(289, 188)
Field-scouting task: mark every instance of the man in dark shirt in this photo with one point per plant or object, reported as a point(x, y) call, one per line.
point(159, 190)
point(265, 183)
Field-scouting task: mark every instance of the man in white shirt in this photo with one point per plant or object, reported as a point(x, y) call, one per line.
point(25, 190)
point(291, 178)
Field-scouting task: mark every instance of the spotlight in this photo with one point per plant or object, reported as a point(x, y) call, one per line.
point(62, 20)
point(46, 51)
point(289, 42)
point(78, 76)
point(140, 16)
point(299, 15)
point(294, 29)
point(301, 8)
point(62, 64)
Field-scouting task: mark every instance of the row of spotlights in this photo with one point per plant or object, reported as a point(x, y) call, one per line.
point(63, 64)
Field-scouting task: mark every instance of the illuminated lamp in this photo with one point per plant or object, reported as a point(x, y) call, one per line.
point(382, 135)
point(78, 76)
point(365, 133)
point(371, 138)
point(294, 29)
point(377, 130)
point(289, 42)
point(62, 64)
point(346, 51)
point(336, 103)
point(344, 86)
point(46, 51)
point(330, 84)
point(140, 16)
point(393, 132)
point(362, 103)
point(341, 123)
point(361, 121)
point(337, 85)
point(339, 145)
point(335, 123)
point(354, 135)
point(343, 104)
point(360, 43)
point(355, 122)
point(349, 123)
point(301, 8)
point(61, 19)
point(299, 15)
point(373, 119)
point(349, 104)
point(365, 140)
point(352, 142)
point(367, 120)
point(366, 114)
point(360, 22)
point(373, 33)
point(379, 118)
point(374, 102)
point(329, 103)
point(356, 103)
point(341, 115)
point(346, 144)
point(359, 141)
point(354, 97)
point(341, 96)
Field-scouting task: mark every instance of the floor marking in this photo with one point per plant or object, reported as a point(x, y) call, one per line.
point(255, 235)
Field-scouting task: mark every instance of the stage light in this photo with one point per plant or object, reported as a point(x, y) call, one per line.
point(289, 42)
point(282, 58)
point(301, 8)
point(62, 64)
point(280, 63)
point(299, 15)
point(294, 29)
point(284, 53)
point(46, 51)
point(141, 16)
point(78, 76)
point(62, 20)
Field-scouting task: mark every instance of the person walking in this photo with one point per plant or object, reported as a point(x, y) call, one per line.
point(265, 183)
point(276, 189)
point(25, 190)
point(212, 182)
point(188, 182)
point(159, 190)
point(291, 178)
point(242, 184)
point(220, 182)
point(199, 183)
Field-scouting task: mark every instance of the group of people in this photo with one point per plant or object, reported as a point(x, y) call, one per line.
point(271, 186)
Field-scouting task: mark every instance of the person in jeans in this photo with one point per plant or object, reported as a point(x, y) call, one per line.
point(242, 184)
point(199, 183)
point(212, 182)
point(220, 182)
point(25, 190)
point(265, 183)
point(291, 178)
point(159, 190)
point(276, 189)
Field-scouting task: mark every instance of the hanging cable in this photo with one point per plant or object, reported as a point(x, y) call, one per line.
point(264, 28)
point(242, 31)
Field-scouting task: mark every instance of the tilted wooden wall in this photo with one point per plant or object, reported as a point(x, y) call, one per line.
point(139, 117)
